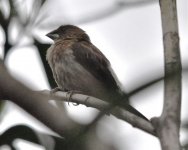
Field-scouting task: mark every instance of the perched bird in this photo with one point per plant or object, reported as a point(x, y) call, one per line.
point(78, 65)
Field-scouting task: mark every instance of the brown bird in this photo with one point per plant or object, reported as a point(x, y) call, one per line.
point(78, 65)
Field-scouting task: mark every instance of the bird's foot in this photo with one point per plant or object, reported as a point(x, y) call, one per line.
point(69, 95)
point(56, 89)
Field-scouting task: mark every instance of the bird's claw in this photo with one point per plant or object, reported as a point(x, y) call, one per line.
point(56, 89)
point(69, 95)
point(86, 101)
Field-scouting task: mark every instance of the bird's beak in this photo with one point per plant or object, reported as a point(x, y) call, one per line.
point(52, 35)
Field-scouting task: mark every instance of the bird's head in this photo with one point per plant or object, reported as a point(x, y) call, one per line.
point(68, 32)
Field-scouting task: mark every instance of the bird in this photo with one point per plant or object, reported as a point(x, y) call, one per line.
point(78, 65)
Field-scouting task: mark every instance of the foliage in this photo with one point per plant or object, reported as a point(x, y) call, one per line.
point(26, 22)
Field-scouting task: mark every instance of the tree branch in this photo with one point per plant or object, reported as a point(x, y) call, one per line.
point(115, 8)
point(144, 86)
point(102, 105)
point(36, 104)
point(168, 125)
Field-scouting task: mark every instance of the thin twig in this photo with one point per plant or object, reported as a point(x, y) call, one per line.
point(142, 87)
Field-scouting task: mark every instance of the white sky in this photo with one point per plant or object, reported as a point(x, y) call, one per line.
point(132, 41)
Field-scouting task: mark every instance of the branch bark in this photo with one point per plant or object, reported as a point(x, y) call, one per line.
point(168, 125)
point(101, 105)
point(36, 104)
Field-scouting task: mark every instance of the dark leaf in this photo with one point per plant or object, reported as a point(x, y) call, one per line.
point(2, 104)
point(23, 132)
point(42, 51)
point(7, 46)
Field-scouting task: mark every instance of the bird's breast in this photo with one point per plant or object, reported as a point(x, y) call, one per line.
point(71, 75)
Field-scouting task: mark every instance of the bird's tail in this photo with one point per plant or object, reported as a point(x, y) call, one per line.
point(122, 101)
point(134, 111)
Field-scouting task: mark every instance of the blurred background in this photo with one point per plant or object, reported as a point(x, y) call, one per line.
point(128, 32)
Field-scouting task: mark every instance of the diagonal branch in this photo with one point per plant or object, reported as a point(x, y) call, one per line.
point(37, 105)
point(101, 105)
point(118, 6)
point(142, 87)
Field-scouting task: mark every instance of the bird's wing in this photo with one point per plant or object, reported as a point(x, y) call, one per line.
point(95, 62)
point(98, 65)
